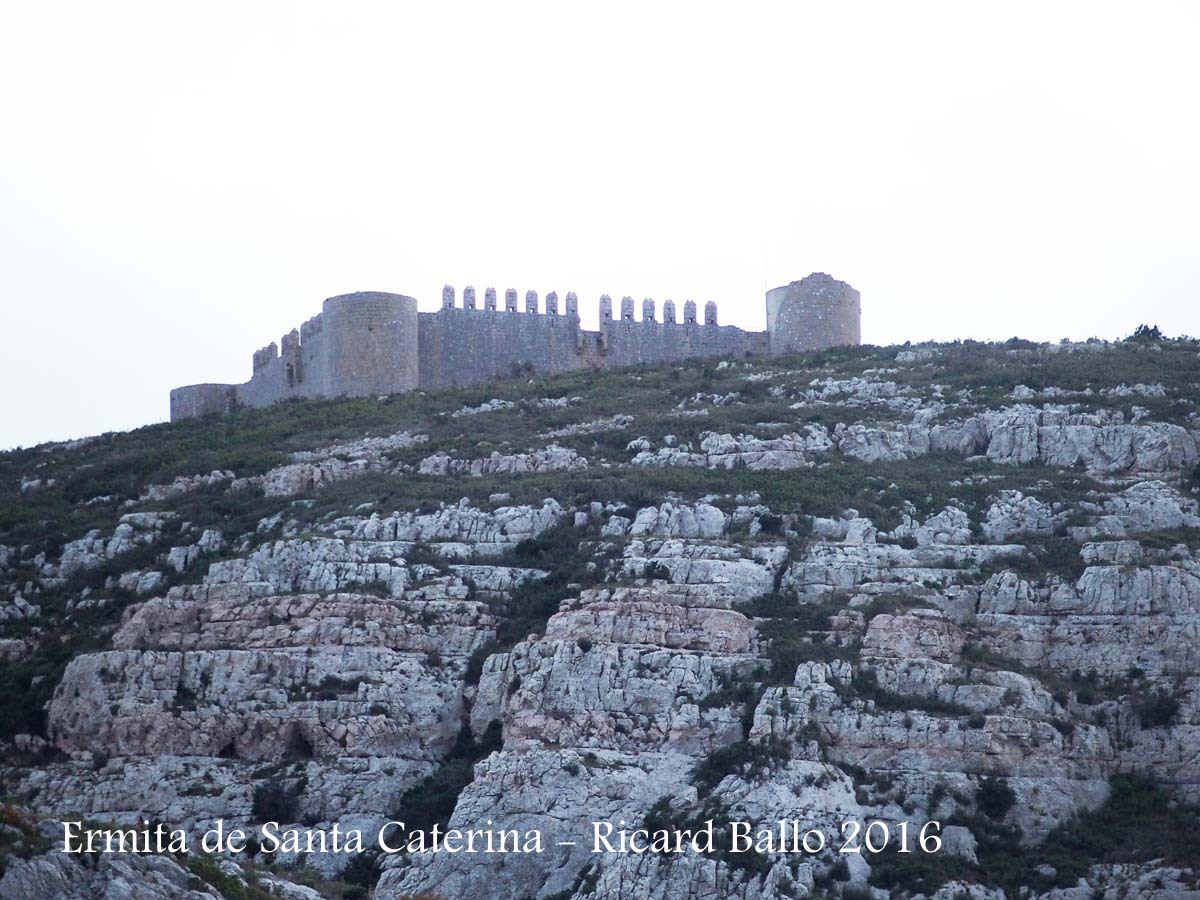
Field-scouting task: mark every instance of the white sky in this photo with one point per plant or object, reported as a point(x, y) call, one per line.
point(182, 183)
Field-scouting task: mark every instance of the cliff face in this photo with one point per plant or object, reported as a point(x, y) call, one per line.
point(898, 584)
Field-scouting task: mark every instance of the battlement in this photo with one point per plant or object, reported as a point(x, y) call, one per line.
point(510, 301)
point(372, 343)
point(263, 357)
point(551, 308)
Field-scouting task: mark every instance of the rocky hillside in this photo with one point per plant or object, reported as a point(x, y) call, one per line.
point(947, 582)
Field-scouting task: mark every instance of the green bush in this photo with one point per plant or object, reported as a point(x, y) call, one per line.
point(994, 798)
point(867, 687)
point(209, 872)
point(1044, 556)
point(1146, 334)
point(662, 817)
point(1156, 709)
point(915, 872)
point(277, 800)
point(1138, 823)
point(794, 633)
point(752, 760)
point(431, 801)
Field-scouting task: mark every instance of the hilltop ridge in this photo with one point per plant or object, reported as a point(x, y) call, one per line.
point(952, 581)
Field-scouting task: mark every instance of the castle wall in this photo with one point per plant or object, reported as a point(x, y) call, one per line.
point(373, 343)
point(467, 346)
point(630, 343)
point(360, 344)
point(298, 372)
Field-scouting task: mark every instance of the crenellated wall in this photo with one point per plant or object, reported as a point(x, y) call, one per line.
point(466, 346)
point(373, 343)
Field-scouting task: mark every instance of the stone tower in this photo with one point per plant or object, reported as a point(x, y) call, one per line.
point(370, 343)
point(813, 313)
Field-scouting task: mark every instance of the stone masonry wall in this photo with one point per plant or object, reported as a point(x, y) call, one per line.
point(196, 400)
point(629, 343)
point(374, 343)
point(813, 313)
point(360, 344)
point(371, 343)
point(466, 346)
point(299, 372)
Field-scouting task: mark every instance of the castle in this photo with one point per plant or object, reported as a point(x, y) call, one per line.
point(372, 343)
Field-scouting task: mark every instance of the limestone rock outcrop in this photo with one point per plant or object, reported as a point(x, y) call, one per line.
point(886, 586)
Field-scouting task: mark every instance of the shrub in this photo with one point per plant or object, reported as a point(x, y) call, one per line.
point(731, 690)
point(1146, 334)
point(209, 872)
point(867, 687)
point(661, 817)
point(585, 883)
point(994, 798)
point(474, 670)
point(914, 873)
point(565, 551)
point(1045, 555)
point(276, 800)
point(794, 633)
point(1139, 822)
point(362, 871)
point(771, 524)
point(656, 571)
point(1156, 709)
point(431, 801)
point(750, 759)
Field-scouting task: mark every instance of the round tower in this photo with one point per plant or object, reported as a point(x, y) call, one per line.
point(370, 343)
point(813, 313)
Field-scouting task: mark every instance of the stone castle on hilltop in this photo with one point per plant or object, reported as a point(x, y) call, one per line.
point(372, 343)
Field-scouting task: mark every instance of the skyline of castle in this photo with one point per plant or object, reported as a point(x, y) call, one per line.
point(375, 343)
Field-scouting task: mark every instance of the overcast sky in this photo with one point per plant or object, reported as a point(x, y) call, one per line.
point(181, 184)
